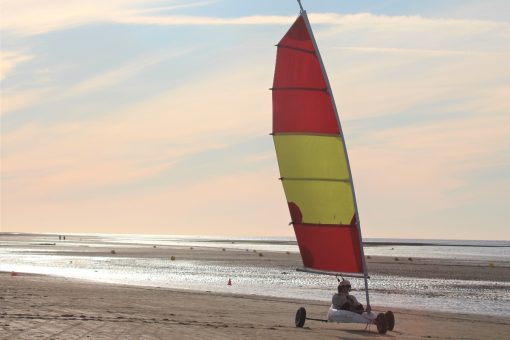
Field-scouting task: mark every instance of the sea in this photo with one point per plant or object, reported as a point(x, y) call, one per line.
point(36, 254)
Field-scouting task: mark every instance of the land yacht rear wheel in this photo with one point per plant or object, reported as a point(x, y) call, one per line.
point(390, 320)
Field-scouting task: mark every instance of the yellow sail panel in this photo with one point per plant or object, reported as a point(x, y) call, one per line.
point(321, 201)
point(311, 156)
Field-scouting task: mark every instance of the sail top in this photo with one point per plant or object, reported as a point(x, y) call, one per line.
point(301, 102)
point(312, 156)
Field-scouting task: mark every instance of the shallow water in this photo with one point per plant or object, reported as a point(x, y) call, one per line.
point(441, 249)
point(477, 297)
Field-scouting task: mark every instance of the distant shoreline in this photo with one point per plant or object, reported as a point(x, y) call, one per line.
point(369, 242)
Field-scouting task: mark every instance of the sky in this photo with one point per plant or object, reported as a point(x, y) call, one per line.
point(131, 116)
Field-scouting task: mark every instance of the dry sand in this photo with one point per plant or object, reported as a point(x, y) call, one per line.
point(41, 307)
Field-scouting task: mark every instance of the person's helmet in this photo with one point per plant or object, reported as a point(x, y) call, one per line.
point(344, 286)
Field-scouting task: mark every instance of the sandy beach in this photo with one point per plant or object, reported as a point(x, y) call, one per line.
point(41, 307)
point(47, 307)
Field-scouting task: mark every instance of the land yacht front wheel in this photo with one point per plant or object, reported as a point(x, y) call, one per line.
point(300, 317)
point(380, 321)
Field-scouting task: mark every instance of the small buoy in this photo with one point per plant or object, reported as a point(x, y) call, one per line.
point(13, 273)
point(229, 283)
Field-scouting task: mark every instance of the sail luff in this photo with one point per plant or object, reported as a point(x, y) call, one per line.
point(328, 85)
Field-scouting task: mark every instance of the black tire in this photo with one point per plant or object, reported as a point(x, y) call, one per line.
point(300, 317)
point(380, 321)
point(390, 320)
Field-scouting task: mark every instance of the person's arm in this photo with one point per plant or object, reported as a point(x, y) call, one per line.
point(352, 299)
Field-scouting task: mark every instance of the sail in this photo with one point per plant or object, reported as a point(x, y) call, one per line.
point(312, 157)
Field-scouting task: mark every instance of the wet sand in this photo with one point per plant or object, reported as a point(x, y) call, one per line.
point(42, 307)
point(453, 269)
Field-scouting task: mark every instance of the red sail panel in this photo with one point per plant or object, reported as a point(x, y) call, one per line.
point(298, 36)
point(329, 248)
point(288, 61)
point(303, 111)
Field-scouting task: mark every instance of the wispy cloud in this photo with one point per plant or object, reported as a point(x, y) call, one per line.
point(9, 60)
point(136, 142)
point(36, 17)
point(123, 72)
point(14, 99)
point(416, 51)
point(42, 16)
point(434, 168)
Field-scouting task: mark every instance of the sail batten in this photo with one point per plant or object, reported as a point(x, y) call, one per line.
point(295, 88)
point(315, 179)
point(296, 48)
point(312, 157)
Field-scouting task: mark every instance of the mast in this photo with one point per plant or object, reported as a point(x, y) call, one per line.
point(330, 92)
point(300, 6)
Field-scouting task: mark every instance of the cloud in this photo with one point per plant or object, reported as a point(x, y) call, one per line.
point(14, 99)
point(137, 142)
point(9, 60)
point(417, 51)
point(110, 78)
point(42, 16)
point(408, 177)
point(38, 17)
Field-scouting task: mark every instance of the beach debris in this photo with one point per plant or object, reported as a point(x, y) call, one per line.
point(260, 254)
point(223, 249)
point(172, 258)
point(190, 248)
point(409, 259)
point(288, 253)
point(397, 259)
point(369, 257)
point(13, 273)
point(229, 283)
point(154, 246)
point(254, 251)
point(113, 251)
point(491, 265)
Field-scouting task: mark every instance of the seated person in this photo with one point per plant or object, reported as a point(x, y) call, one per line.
point(344, 301)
